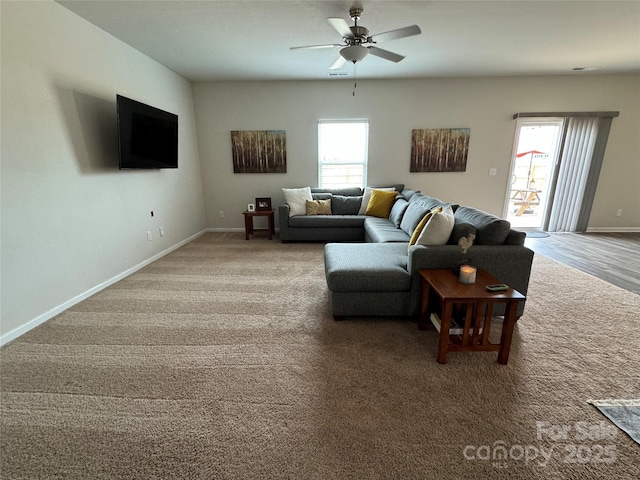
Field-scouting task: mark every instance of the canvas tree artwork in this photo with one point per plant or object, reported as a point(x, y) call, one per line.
point(259, 151)
point(439, 149)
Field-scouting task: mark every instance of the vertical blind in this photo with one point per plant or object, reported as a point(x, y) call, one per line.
point(573, 174)
point(343, 147)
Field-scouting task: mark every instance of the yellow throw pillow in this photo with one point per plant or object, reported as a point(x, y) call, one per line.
point(380, 203)
point(421, 224)
point(319, 207)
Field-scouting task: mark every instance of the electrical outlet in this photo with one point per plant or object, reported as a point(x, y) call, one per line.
point(221, 213)
point(619, 212)
point(149, 235)
point(161, 229)
point(493, 171)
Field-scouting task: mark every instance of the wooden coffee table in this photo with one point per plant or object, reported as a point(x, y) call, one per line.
point(476, 305)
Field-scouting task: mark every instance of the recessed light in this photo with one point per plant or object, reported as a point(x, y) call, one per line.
point(586, 69)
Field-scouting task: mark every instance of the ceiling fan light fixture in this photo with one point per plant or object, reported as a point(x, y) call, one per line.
point(354, 53)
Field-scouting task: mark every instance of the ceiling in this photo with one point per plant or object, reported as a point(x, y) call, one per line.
point(249, 40)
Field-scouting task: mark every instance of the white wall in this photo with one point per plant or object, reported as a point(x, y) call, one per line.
point(394, 108)
point(70, 219)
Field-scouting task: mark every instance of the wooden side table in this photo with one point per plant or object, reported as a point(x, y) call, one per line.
point(248, 222)
point(476, 303)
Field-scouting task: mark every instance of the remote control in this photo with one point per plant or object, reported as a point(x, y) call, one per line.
point(497, 287)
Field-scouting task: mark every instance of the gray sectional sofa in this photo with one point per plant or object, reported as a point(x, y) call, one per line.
point(344, 225)
point(373, 272)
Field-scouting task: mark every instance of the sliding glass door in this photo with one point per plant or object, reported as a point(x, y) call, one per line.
point(535, 153)
point(555, 167)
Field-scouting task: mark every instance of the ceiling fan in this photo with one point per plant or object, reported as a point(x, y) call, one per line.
point(357, 43)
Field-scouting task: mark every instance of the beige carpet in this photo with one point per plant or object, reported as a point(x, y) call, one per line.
point(221, 361)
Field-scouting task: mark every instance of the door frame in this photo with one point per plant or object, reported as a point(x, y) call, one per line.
point(553, 166)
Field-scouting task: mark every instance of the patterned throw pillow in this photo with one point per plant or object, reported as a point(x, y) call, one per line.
point(319, 207)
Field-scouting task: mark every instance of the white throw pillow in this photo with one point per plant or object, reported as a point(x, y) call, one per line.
point(438, 229)
point(297, 198)
point(367, 196)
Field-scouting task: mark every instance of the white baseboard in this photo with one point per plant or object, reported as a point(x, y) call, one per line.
point(224, 230)
point(613, 229)
point(229, 230)
point(21, 330)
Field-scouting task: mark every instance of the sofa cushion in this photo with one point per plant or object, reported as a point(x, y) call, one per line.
point(398, 187)
point(490, 230)
point(366, 196)
point(297, 198)
point(438, 228)
point(515, 237)
point(319, 207)
point(321, 196)
point(382, 230)
point(380, 203)
point(412, 216)
point(460, 229)
point(345, 205)
point(347, 191)
point(425, 200)
point(326, 221)
point(369, 267)
point(397, 211)
point(431, 202)
point(407, 193)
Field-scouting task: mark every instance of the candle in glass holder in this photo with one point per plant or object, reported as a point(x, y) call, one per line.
point(467, 274)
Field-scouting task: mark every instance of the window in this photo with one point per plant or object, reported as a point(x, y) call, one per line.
point(343, 147)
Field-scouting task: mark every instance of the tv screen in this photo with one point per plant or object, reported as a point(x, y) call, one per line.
point(147, 136)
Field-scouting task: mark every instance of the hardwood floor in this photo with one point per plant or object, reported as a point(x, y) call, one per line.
point(613, 257)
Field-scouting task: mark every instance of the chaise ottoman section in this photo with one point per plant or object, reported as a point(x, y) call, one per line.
point(368, 279)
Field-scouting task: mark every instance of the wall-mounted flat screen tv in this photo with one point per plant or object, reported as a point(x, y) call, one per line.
point(147, 136)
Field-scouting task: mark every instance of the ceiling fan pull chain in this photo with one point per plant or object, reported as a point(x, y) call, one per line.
point(355, 77)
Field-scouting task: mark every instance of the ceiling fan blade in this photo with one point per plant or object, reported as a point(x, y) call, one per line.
point(398, 33)
point(386, 54)
point(338, 63)
point(329, 45)
point(341, 26)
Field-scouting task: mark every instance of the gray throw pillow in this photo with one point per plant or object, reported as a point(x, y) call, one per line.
point(342, 205)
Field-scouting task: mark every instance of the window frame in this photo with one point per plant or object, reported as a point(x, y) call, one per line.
point(362, 153)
